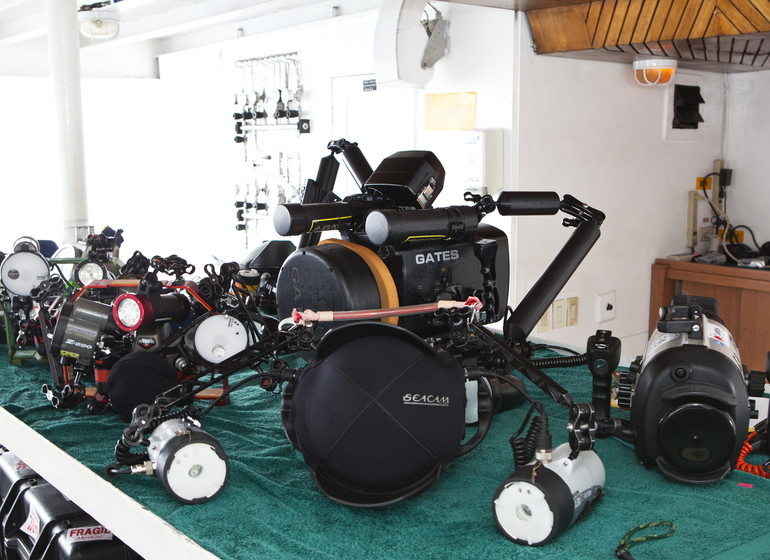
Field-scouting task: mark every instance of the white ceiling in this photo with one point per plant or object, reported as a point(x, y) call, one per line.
point(141, 20)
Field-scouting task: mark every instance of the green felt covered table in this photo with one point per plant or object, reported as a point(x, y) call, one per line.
point(271, 508)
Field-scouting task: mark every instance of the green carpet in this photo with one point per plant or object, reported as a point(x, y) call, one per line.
point(271, 508)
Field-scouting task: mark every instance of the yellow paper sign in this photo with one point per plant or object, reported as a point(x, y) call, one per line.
point(450, 111)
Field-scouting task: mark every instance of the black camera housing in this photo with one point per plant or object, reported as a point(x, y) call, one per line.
point(689, 394)
point(451, 257)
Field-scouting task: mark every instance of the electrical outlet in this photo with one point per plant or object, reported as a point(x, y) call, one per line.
point(705, 233)
point(605, 306)
point(572, 311)
point(545, 321)
point(559, 314)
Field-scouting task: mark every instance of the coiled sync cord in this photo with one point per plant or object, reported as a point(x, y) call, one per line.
point(130, 439)
point(760, 434)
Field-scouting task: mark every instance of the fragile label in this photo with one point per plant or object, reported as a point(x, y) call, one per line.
point(32, 525)
point(93, 533)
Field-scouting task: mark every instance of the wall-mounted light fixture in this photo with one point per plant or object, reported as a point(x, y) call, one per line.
point(100, 21)
point(654, 71)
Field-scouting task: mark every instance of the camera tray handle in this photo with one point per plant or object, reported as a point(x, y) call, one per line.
point(354, 160)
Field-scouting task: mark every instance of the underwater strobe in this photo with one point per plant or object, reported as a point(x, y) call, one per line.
point(189, 462)
point(544, 498)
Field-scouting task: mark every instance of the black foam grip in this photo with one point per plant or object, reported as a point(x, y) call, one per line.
point(294, 219)
point(385, 227)
point(528, 203)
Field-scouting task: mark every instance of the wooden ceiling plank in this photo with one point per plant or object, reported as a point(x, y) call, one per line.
point(715, 35)
point(673, 19)
point(618, 19)
point(655, 48)
point(697, 48)
point(674, 48)
point(642, 49)
point(751, 50)
point(626, 48)
point(710, 48)
point(669, 49)
point(728, 48)
point(683, 30)
point(643, 21)
point(766, 61)
point(632, 14)
point(724, 48)
point(603, 25)
point(755, 10)
point(584, 8)
point(738, 18)
point(658, 20)
point(720, 26)
point(594, 9)
point(558, 29)
point(763, 53)
point(703, 19)
point(684, 49)
point(739, 51)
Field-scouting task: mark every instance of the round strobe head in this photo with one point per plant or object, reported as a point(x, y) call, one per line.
point(540, 501)
point(189, 462)
point(524, 514)
point(23, 271)
point(220, 337)
point(88, 271)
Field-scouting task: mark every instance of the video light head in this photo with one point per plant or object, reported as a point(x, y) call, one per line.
point(412, 179)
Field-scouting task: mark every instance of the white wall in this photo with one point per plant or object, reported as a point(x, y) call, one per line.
point(137, 171)
point(748, 135)
point(587, 129)
point(29, 161)
point(160, 159)
point(204, 81)
point(131, 60)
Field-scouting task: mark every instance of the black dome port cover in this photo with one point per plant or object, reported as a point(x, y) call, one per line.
point(137, 378)
point(378, 414)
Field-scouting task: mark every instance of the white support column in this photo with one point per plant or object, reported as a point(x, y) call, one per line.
point(64, 65)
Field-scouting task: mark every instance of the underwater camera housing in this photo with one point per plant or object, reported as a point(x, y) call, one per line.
point(395, 249)
point(689, 394)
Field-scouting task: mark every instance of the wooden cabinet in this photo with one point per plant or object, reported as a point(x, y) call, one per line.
point(743, 295)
